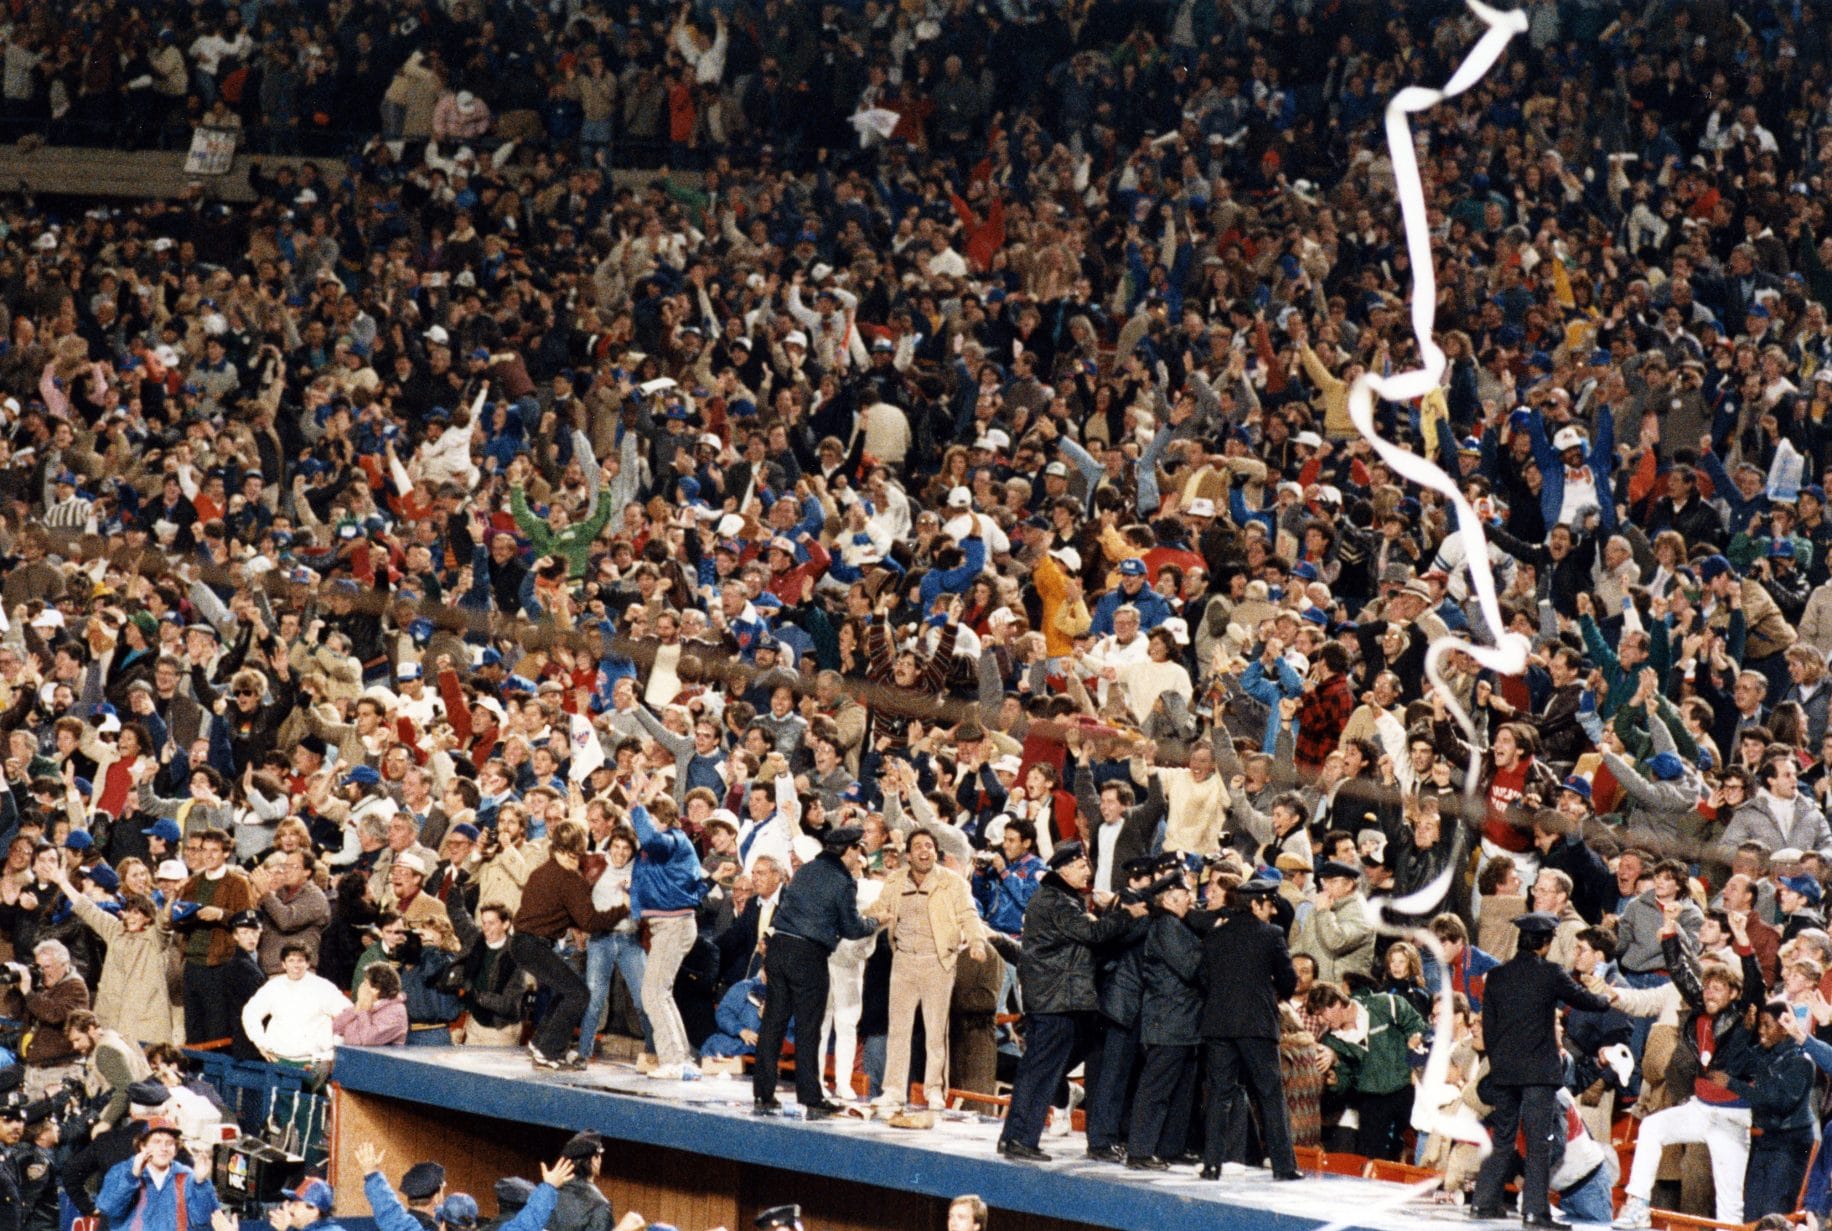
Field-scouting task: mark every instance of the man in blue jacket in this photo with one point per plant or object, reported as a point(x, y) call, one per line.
point(153, 1191)
point(1133, 589)
point(1780, 1098)
point(391, 1215)
point(819, 909)
point(665, 890)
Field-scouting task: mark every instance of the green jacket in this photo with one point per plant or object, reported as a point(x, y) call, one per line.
point(574, 543)
point(1379, 1064)
point(1621, 683)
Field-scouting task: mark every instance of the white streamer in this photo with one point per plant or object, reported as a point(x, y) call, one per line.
point(1508, 656)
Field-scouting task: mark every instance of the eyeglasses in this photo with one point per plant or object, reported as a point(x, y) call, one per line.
point(246, 692)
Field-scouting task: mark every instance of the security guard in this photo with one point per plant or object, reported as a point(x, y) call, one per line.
point(1519, 1033)
point(1248, 972)
point(1120, 984)
point(819, 908)
point(1056, 971)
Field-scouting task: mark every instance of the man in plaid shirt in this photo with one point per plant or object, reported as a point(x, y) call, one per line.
point(1325, 708)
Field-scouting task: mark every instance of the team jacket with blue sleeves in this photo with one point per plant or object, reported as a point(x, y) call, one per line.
point(129, 1200)
point(667, 873)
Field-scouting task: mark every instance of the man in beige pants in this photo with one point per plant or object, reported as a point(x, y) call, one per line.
point(928, 911)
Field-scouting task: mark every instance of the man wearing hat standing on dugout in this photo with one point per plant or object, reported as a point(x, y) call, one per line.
point(1057, 972)
point(1526, 1068)
point(819, 909)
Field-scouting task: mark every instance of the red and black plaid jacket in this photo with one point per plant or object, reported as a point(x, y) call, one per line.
point(1322, 714)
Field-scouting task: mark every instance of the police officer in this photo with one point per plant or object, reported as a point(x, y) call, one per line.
point(35, 1161)
point(1519, 1011)
point(12, 1132)
point(424, 1188)
point(1168, 1015)
point(1121, 987)
point(819, 908)
point(1248, 972)
point(1056, 971)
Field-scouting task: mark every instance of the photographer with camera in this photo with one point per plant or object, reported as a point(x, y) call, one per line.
point(50, 999)
point(111, 1065)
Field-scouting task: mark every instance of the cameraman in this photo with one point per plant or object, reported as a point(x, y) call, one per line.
point(49, 1057)
point(110, 1065)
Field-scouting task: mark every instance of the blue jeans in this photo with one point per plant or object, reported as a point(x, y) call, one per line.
point(872, 1048)
point(619, 951)
point(439, 1037)
point(1589, 1201)
point(1777, 1165)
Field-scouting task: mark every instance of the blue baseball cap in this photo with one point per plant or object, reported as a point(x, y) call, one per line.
point(315, 1193)
point(1132, 567)
point(490, 657)
point(363, 775)
point(78, 840)
point(1806, 886)
point(1712, 567)
point(1781, 549)
point(165, 829)
point(1576, 785)
point(1304, 569)
point(1666, 766)
point(458, 1210)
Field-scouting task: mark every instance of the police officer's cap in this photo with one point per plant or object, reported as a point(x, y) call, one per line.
point(1066, 854)
point(1336, 867)
point(148, 1095)
point(843, 839)
point(1537, 923)
point(1258, 887)
point(1144, 865)
point(422, 1180)
point(512, 1193)
point(779, 1216)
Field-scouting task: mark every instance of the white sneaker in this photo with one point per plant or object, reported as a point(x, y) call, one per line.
point(1233, 1168)
point(671, 1072)
point(1634, 1216)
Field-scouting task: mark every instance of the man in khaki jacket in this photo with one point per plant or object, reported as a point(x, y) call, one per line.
point(928, 914)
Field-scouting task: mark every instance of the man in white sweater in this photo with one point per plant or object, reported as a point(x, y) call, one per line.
point(290, 1017)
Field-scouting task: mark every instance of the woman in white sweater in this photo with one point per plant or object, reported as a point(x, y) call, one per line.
point(1159, 675)
point(292, 1016)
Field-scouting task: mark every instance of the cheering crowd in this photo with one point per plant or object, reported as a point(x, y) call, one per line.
point(915, 578)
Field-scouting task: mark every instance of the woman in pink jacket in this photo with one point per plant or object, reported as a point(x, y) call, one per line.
point(379, 1017)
